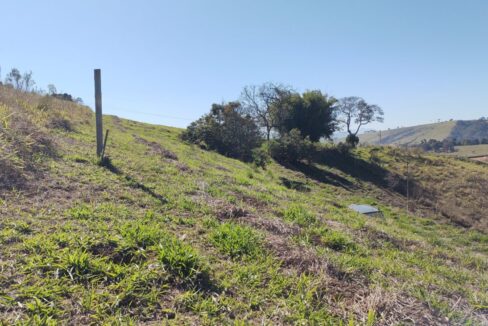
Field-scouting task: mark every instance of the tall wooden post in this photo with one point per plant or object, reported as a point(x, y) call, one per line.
point(98, 110)
point(408, 186)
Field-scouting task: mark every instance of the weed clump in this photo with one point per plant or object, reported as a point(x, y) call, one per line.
point(236, 240)
point(79, 266)
point(82, 212)
point(338, 241)
point(182, 261)
point(142, 235)
point(143, 288)
point(299, 215)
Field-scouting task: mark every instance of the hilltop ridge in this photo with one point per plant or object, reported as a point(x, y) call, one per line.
point(460, 130)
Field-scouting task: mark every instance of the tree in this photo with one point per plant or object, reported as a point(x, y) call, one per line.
point(355, 111)
point(52, 89)
point(28, 82)
point(14, 78)
point(260, 101)
point(226, 130)
point(312, 113)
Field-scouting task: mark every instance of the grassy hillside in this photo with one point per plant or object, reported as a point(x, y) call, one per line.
point(410, 135)
point(168, 232)
point(471, 150)
point(460, 130)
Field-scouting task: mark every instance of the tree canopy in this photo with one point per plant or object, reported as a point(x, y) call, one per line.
point(354, 112)
point(312, 113)
point(227, 130)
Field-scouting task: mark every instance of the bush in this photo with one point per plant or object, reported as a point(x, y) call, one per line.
point(352, 140)
point(225, 130)
point(343, 148)
point(292, 148)
point(260, 157)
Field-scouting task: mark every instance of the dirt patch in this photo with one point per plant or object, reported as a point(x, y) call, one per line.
point(231, 212)
point(60, 123)
point(273, 225)
point(118, 123)
point(379, 238)
point(183, 167)
point(156, 148)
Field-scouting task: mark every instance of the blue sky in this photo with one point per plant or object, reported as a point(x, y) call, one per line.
point(166, 62)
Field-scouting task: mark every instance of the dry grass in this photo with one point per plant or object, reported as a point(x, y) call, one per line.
point(91, 244)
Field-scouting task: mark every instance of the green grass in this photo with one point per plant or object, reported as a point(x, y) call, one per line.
point(206, 239)
point(299, 215)
point(236, 240)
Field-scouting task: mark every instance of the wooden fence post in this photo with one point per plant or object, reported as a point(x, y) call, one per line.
point(98, 111)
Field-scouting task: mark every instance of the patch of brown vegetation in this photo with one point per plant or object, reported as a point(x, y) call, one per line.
point(22, 144)
point(346, 293)
point(231, 212)
point(272, 225)
point(60, 123)
point(378, 238)
point(483, 159)
point(156, 148)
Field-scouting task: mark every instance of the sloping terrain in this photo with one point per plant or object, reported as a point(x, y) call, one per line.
point(409, 135)
point(460, 130)
point(164, 231)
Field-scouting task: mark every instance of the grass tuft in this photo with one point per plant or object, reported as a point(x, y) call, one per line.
point(236, 240)
point(299, 215)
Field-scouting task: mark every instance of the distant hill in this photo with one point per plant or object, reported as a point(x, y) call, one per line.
point(460, 130)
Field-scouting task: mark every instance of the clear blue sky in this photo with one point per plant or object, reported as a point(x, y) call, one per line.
point(419, 60)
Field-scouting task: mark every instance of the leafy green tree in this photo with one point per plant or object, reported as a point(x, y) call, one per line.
point(312, 113)
point(226, 130)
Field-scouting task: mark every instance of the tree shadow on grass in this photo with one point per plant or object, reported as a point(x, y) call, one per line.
point(320, 175)
point(371, 172)
point(130, 181)
point(359, 169)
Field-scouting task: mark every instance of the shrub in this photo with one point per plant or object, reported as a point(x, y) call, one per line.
point(236, 240)
point(225, 130)
point(260, 157)
point(292, 148)
point(343, 148)
point(352, 140)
